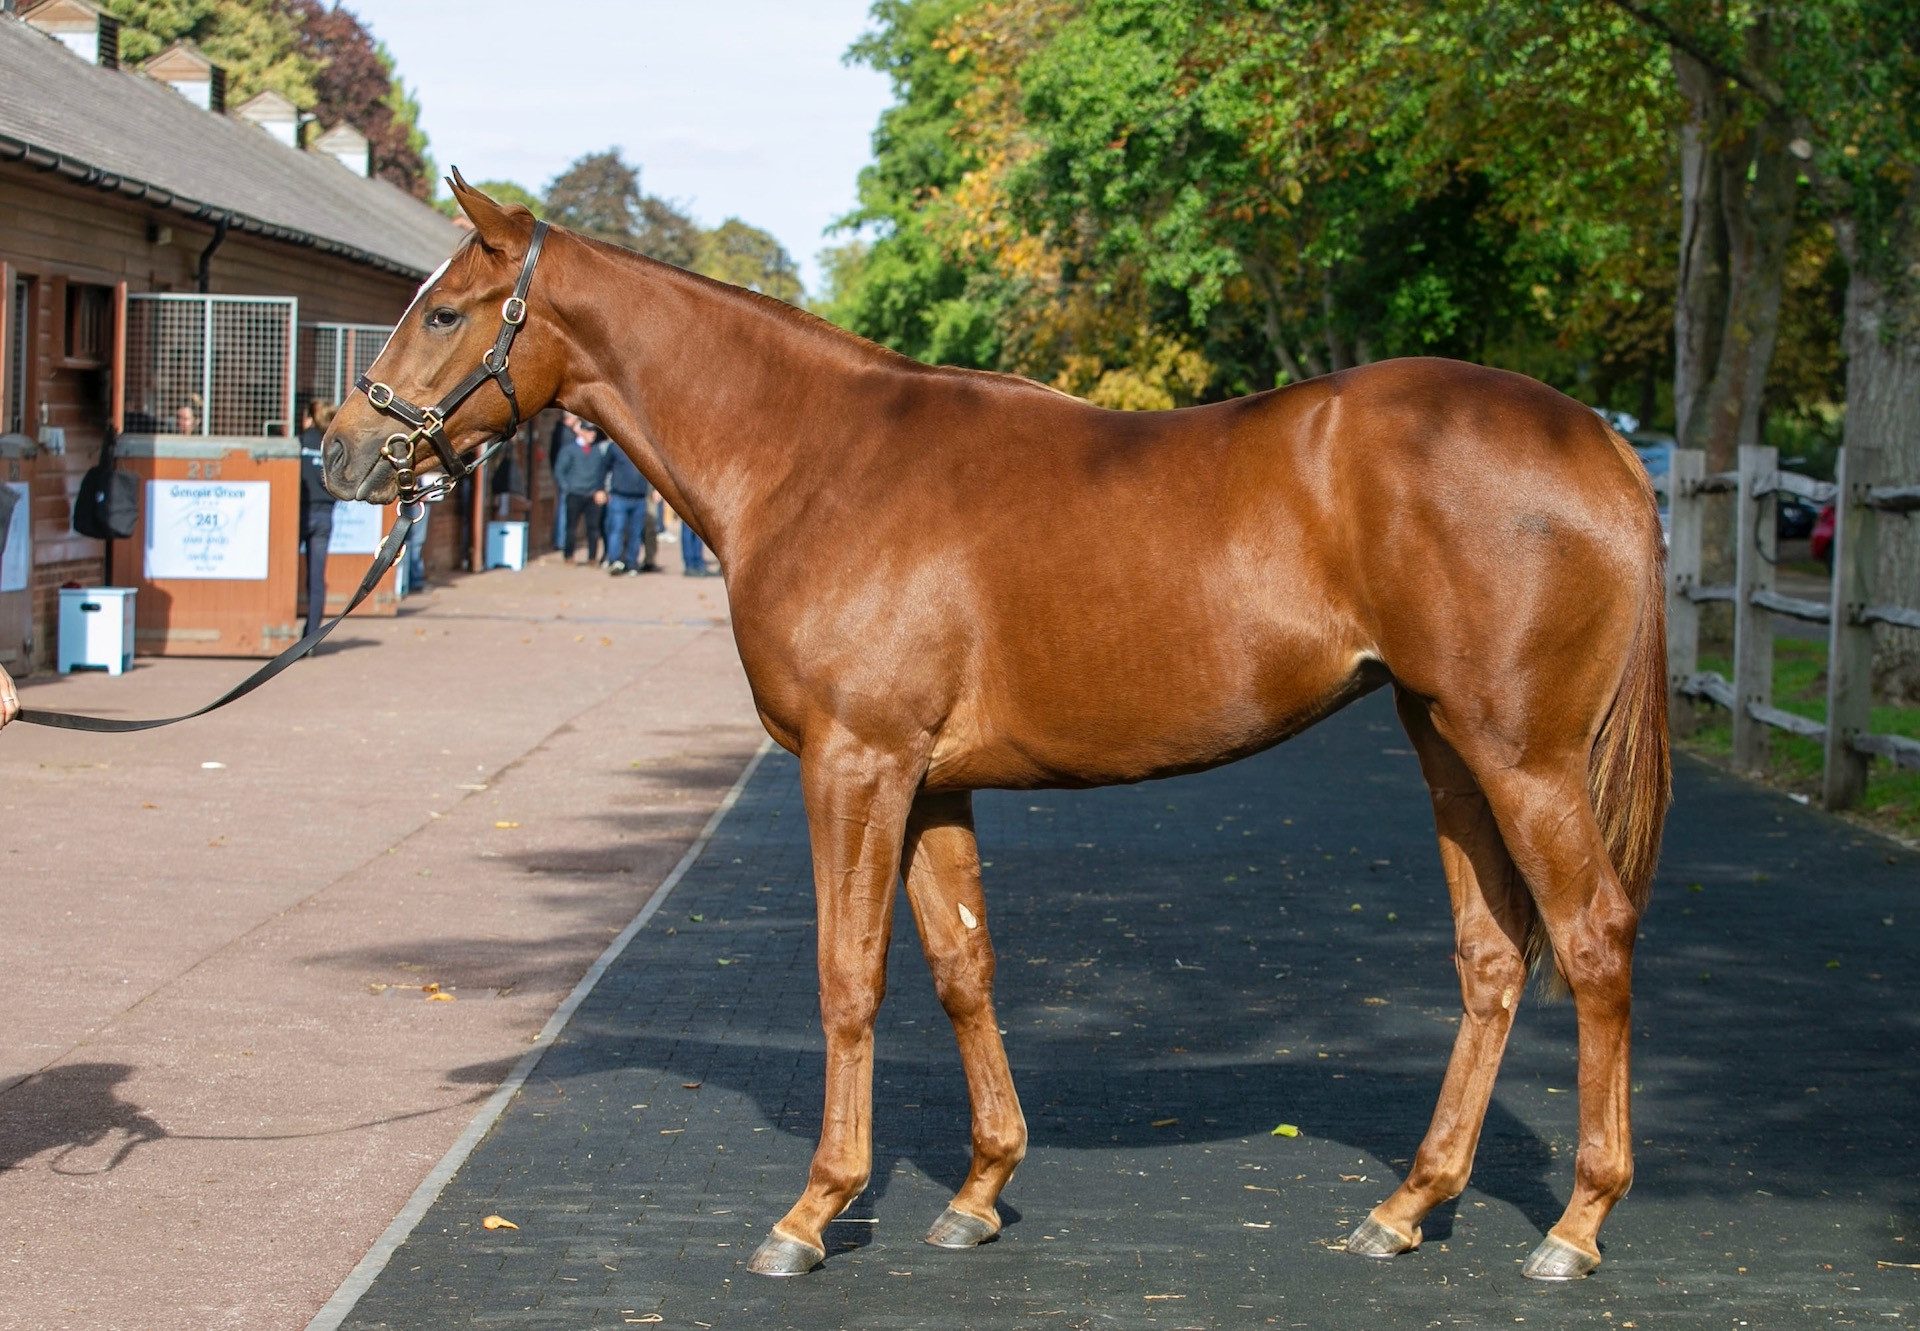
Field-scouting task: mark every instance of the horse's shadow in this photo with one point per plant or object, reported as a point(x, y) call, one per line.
point(75, 1113)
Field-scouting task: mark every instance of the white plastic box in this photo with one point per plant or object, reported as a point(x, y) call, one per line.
point(96, 629)
point(507, 545)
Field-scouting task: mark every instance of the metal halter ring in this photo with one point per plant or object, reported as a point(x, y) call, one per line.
point(380, 395)
point(514, 311)
point(401, 455)
point(492, 355)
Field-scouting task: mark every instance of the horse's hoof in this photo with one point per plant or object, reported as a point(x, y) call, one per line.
point(957, 1229)
point(1556, 1259)
point(1374, 1239)
point(782, 1256)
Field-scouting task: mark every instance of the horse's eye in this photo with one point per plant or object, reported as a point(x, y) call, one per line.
point(443, 317)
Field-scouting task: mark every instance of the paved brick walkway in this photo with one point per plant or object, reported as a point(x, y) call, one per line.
point(1185, 965)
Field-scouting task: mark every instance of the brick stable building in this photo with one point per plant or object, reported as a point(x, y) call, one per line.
point(135, 204)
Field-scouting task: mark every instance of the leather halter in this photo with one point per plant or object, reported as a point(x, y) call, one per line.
point(429, 423)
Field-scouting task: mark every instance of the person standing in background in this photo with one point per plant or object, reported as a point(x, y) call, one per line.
point(566, 431)
point(9, 697)
point(417, 552)
point(316, 509)
point(628, 526)
point(693, 554)
point(580, 475)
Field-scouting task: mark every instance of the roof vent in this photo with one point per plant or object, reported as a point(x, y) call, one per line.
point(185, 68)
point(84, 29)
point(347, 146)
point(273, 113)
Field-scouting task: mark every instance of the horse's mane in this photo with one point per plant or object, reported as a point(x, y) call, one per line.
point(805, 322)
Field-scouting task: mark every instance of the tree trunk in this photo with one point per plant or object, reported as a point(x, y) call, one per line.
point(1883, 411)
point(1700, 304)
point(1737, 211)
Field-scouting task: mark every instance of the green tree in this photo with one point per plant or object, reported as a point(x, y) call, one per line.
point(749, 257)
point(253, 40)
point(1819, 104)
point(896, 282)
point(599, 196)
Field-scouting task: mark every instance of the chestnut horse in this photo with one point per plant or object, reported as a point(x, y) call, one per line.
point(944, 580)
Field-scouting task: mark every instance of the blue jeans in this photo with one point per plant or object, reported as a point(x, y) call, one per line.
point(626, 523)
point(693, 555)
point(417, 552)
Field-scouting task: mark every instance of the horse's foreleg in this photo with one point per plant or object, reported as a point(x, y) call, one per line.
point(943, 887)
point(1491, 913)
point(1550, 828)
point(857, 799)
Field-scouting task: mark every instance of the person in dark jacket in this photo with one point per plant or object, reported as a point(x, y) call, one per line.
point(316, 509)
point(629, 516)
point(566, 431)
point(580, 474)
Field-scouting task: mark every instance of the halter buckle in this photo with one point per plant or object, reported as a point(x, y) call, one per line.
point(380, 395)
point(513, 311)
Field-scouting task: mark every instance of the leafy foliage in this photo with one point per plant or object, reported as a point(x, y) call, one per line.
point(319, 56)
point(600, 195)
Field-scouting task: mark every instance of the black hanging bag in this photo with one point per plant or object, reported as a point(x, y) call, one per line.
point(108, 504)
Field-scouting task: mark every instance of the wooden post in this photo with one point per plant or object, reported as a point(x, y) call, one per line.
point(1684, 503)
point(1756, 535)
point(1849, 642)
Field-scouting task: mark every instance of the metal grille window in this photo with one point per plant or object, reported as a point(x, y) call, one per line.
point(332, 356)
point(16, 358)
point(210, 365)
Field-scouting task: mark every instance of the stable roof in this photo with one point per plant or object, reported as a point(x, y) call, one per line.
point(136, 137)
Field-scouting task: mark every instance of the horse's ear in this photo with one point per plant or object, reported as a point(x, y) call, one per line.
point(496, 226)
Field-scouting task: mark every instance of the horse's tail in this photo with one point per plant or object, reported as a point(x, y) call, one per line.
point(1630, 773)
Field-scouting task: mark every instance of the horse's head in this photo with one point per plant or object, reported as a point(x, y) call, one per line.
point(466, 364)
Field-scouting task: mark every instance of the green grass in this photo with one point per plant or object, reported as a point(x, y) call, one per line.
point(1800, 685)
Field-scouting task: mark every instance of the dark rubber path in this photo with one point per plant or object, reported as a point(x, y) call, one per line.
point(1185, 965)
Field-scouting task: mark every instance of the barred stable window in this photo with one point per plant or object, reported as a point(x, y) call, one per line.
point(210, 365)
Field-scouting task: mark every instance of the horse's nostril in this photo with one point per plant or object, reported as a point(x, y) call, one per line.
point(336, 455)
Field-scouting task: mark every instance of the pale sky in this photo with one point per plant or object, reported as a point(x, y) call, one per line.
point(731, 108)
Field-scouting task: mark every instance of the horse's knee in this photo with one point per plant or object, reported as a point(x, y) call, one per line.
point(848, 1011)
point(963, 985)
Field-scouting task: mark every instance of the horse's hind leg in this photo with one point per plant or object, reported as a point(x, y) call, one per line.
point(1547, 819)
point(857, 799)
point(1491, 914)
point(943, 887)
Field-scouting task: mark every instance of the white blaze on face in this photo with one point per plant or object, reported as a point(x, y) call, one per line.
point(414, 304)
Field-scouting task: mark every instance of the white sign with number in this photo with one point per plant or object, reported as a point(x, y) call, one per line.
point(15, 560)
point(356, 528)
point(207, 529)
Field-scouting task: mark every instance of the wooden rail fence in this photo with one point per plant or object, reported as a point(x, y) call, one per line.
point(1860, 496)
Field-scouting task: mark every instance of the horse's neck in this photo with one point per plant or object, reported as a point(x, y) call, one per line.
point(708, 387)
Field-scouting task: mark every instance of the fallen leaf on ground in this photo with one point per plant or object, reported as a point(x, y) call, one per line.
point(503, 823)
point(1285, 1130)
point(440, 998)
point(497, 1222)
point(689, 1085)
point(1165, 1122)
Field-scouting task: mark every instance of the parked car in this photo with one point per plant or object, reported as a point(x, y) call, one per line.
point(1820, 539)
point(1656, 455)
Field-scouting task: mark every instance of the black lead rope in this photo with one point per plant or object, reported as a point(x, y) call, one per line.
point(389, 551)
